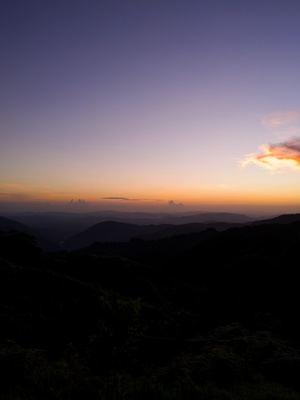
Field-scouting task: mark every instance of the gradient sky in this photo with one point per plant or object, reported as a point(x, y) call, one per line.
point(150, 100)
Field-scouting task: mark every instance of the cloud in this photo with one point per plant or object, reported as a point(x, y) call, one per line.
point(279, 120)
point(277, 156)
point(14, 186)
point(76, 203)
point(120, 198)
point(173, 203)
point(10, 196)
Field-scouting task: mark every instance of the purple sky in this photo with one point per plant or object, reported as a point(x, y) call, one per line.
point(150, 100)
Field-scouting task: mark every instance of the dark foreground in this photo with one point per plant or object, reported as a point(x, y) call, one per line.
point(201, 316)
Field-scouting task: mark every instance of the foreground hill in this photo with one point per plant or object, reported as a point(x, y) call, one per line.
point(208, 315)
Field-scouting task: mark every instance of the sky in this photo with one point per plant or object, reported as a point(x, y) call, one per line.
point(146, 104)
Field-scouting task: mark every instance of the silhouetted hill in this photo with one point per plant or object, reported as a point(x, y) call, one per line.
point(56, 227)
point(208, 217)
point(59, 226)
point(281, 219)
point(7, 224)
point(185, 229)
point(145, 218)
point(110, 231)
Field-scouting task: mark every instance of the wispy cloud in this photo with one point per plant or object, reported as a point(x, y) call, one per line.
point(14, 196)
point(120, 198)
point(14, 191)
point(278, 120)
point(277, 156)
point(12, 186)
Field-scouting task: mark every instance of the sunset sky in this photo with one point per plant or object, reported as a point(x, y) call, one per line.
point(140, 102)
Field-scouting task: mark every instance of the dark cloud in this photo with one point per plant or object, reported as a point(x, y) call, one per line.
point(77, 203)
point(173, 203)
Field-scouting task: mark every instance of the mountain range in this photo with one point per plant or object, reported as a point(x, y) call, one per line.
point(74, 231)
point(208, 315)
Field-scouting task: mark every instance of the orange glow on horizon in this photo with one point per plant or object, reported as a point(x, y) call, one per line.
point(217, 195)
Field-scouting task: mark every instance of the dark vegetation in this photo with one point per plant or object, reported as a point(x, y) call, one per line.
point(207, 315)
